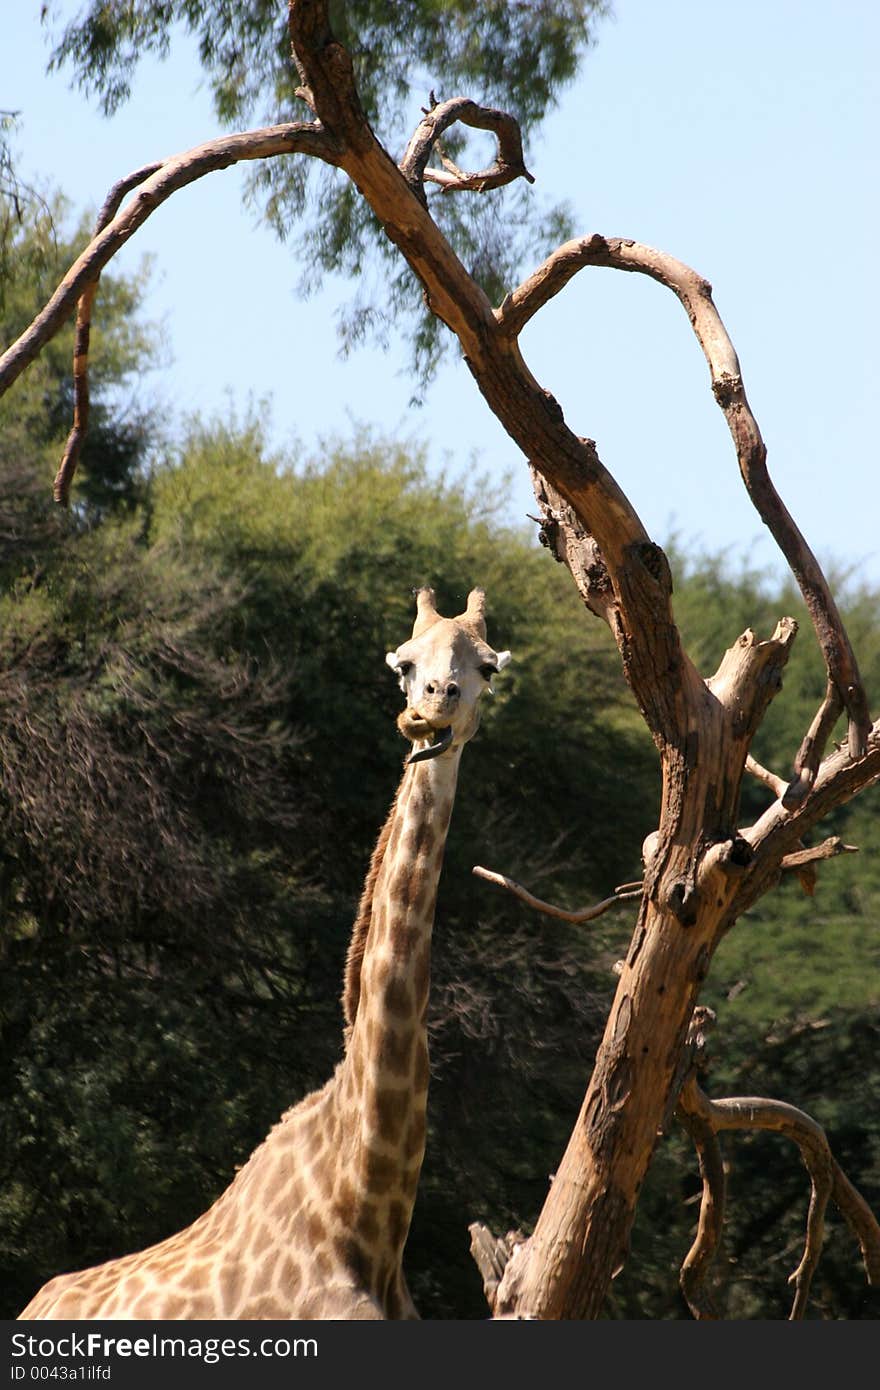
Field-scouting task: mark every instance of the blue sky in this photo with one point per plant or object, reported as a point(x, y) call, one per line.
point(741, 139)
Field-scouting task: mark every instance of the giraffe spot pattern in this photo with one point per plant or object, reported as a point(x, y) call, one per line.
point(380, 1172)
point(398, 1224)
point(315, 1230)
point(393, 1052)
point(392, 1108)
point(231, 1283)
point(352, 1255)
point(344, 1201)
point(367, 1226)
point(397, 999)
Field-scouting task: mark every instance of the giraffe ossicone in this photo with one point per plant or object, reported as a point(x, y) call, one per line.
point(315, 1223)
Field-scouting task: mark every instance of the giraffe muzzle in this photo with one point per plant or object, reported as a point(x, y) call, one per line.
point(440, 744)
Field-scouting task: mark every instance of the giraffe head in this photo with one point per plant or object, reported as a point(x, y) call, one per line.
point(444, 669)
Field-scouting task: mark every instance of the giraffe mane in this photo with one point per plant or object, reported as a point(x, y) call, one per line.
point(357, 945)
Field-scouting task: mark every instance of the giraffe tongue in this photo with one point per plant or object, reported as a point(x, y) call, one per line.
point(442, 742)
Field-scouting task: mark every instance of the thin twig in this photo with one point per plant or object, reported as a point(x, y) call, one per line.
point(809, 755)
point(76, 438)
point(584, 914)
point(829, 849)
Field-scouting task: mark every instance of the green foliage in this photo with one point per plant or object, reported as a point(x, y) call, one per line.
point(516, 56)
point(197, 748)
point(524, 51)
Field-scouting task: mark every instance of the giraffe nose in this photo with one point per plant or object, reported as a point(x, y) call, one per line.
point(451, 690)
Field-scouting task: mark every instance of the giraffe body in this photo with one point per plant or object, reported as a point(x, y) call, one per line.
point(314, 1224)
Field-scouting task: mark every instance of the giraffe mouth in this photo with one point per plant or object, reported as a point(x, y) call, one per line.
point(440, 744)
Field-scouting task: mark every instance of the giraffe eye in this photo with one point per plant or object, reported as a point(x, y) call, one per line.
point(488, 670)
point(404, 668)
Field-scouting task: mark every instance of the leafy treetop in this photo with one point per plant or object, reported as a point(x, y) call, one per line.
point(520, 54)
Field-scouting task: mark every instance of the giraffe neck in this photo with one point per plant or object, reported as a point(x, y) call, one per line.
point(386, 1062)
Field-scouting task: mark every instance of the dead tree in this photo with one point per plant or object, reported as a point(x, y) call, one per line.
point(702, 870)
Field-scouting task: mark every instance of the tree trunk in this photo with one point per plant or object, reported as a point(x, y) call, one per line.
point(693, 869)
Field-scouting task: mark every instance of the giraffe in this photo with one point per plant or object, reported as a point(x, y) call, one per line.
point(314, 1224)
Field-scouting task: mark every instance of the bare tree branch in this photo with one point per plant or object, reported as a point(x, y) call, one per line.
point(812, 748)
point(583, 914)
point(777, 785)
point(699, 1259)
point(76, 438)
point(827, 1179)
point(491, 1255)
point(172, 174)
point(508, 164)
point(780, 831)
point(695, 295)
point(828, 849)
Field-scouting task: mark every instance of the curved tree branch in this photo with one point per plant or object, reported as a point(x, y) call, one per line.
point(172, 174)
point(777, 785)
point(699, 1259)
point(827, 1179)
point(508, 165)
point(583, 914)
point(813, 746)
point(76, 438)
point(695, 294)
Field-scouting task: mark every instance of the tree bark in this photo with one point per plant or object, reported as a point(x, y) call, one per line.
point(581, 1236)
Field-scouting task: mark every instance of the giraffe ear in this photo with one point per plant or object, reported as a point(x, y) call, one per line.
point(503, 658)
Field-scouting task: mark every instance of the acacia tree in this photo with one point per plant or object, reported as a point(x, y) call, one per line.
point(701, 869)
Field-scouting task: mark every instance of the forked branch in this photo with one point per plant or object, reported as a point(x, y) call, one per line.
point(705, 1119)
point(695, 294)
point(828, 849)
point(584, 914)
